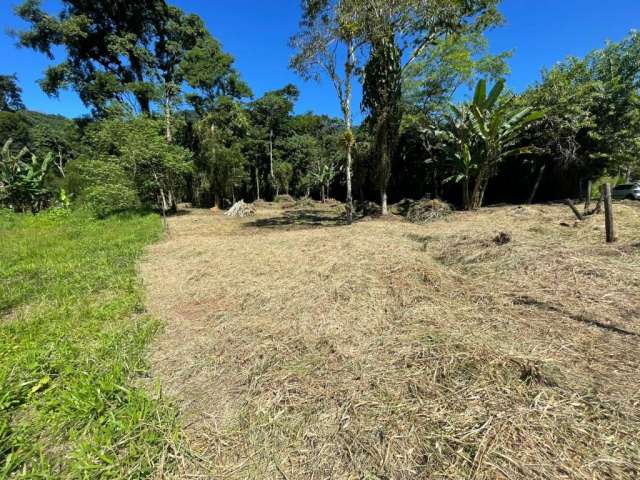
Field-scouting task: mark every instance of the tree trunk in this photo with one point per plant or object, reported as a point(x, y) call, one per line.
point(164, 210)
point(587, 201)
point(346, 110)
point(257, 185)
point(384, 171)
point(173, 207)
point(271, 155)
point(167, 117)
point(479, 188)
point(60, 163)
point(383, 201)
point(483, 189)
point(349, 199)
point(436, 184)
point(475, 195)
point(322, 193)
point(465, 194)
point(537, 184)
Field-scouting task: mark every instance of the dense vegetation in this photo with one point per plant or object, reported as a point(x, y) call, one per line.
point(72, 337)
point(173, 121)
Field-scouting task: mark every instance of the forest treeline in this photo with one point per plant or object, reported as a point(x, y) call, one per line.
point(172, 120)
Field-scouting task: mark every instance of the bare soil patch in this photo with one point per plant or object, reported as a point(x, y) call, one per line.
point(302, 348)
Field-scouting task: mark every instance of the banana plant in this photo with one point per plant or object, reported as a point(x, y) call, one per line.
point(323, 174)
point(22, 178)
point(489, 129)
point(465, 168)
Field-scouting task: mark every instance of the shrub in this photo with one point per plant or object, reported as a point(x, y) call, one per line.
point(102, 185)
point(104, 200)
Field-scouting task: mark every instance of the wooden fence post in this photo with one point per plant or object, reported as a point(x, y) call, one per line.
point(587, 202)
point(573, 208)
point(608, 214)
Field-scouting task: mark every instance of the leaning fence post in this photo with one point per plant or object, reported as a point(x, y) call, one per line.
point(573, 208)
point(608, 214)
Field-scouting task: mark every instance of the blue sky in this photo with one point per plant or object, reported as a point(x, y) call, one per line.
point(256, 32)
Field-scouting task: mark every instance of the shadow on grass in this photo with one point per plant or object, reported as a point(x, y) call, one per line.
point(299, 219)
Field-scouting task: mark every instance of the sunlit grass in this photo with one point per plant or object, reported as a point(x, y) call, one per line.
point(72, 336)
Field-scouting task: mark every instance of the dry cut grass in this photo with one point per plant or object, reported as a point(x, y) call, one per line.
point(301, 348)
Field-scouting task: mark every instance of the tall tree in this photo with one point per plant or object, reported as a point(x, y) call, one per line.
point(327, 44)
point(616, 69)
point(453, 62)
point(406, 29)
point(567, 95)
point(120, 49)
point(220, 159)
point(592, 113)
point(10, 94)
point(109, 47)
point(187, 54)
point(381, 97)
point(271, 113)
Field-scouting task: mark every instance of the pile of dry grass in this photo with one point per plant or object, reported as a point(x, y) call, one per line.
point(402, 207)
point(284, 199)
point(241, 209)
point(424, 211)
point(401, 351)
point(368, 208)
point(305, 202)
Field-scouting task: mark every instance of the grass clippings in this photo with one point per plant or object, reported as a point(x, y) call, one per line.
point(299, 347)
point(423, 211)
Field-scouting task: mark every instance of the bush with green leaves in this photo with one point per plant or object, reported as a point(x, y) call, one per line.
point(22, 179)
point(129, 164)
point(104, 200)
point(137, 146)
point(102, 185)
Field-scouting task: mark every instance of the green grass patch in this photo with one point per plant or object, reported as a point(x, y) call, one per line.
point(72, 336)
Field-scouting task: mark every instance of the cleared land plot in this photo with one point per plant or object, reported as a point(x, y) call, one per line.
point(301, 348)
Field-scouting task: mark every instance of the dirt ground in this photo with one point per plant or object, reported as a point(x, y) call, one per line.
point(297, 347)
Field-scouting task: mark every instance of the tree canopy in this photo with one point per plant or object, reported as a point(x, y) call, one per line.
point(172, 119)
